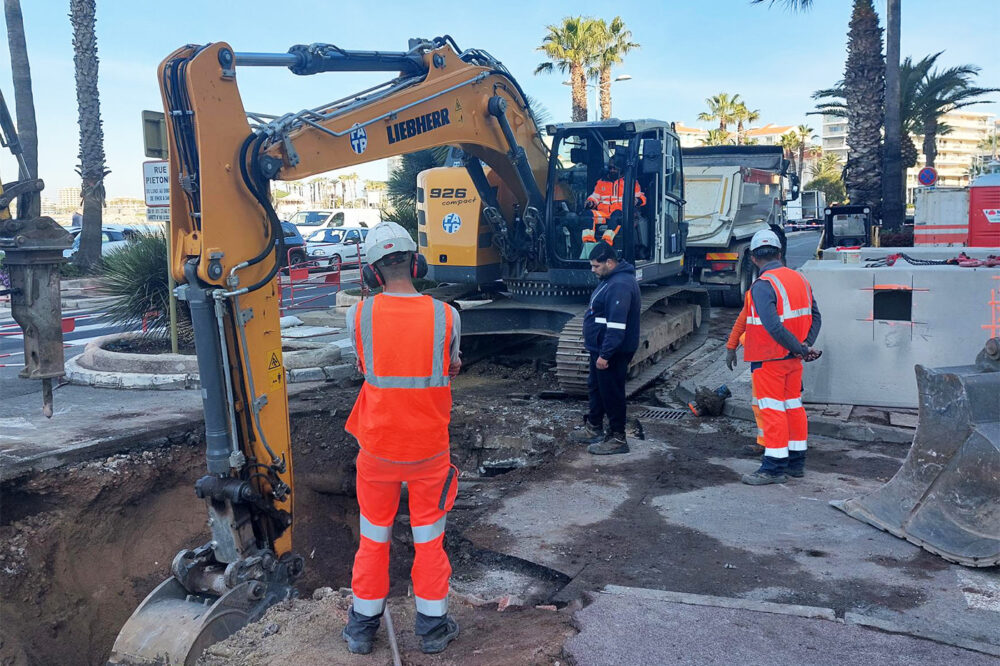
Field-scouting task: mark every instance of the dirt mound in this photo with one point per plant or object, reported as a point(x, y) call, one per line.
point(308, 632)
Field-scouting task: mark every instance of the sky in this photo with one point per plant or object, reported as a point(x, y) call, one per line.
point(690, 50)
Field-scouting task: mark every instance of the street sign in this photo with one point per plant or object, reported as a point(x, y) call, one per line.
point(927, 176)
point(158, 214)
point(156, 182)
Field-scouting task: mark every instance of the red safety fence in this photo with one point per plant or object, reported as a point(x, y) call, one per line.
point(304, 283)
point(68, 326)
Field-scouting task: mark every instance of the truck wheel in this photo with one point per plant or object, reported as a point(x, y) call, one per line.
point(717, 297)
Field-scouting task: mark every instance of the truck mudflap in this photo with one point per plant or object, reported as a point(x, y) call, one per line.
point(946, 496)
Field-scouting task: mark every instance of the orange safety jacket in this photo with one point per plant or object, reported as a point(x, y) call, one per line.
point(608, 196)
point(794, 304)
point(404, 348)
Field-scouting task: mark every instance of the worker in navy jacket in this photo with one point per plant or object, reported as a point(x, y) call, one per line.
point(611, 336)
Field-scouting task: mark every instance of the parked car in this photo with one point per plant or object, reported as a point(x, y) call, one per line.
point(111, 237)
point(295, 245)
point(309, 221)
point(333, 247)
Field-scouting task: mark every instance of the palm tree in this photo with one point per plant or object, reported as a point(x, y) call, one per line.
point(805, 134)
point(614, 44)
point(92, 169)
point(721, 107)
point(28, 206)
point(869, 80)
point(942, 91)
point(790, 141)
point(988, 145)
point(401, 189)
point(717, 137)
point(829, 165)
point(744, 115)
point(572, 46)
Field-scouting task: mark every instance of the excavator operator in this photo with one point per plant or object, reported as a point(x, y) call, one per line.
point(605, 204)
point(407, 347)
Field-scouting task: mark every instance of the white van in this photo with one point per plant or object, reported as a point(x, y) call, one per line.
point(309, 221)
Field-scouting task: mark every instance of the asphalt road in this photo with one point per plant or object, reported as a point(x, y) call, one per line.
point(801, 247)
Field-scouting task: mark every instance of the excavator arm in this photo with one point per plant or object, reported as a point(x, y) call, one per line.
point(225, 244)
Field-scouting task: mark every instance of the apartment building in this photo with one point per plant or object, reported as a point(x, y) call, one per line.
point(956, 150)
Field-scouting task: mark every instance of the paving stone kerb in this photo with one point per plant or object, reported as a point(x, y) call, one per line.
point(99, 367)
point(855, 431)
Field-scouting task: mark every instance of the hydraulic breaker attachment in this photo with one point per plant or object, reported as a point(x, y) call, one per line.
point(33, 252)
point(946, 496)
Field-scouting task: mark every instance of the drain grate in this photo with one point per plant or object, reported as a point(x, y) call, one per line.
point(661, 414)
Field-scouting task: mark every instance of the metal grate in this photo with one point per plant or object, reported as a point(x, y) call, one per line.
point(661, 414)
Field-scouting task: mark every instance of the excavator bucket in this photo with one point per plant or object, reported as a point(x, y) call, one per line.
point(946, 496)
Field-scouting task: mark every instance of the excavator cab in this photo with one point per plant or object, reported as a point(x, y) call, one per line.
point(634, 157)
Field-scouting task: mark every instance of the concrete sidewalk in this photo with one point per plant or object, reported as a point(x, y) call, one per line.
point(625, 626)
point(850, 422)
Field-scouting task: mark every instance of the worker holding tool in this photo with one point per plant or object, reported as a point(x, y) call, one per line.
point(611, 336)
point(782, 324)
point(605, 203)
point(407, 347)
point(736, 340)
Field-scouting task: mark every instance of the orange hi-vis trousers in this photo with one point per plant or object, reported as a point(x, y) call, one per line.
point(432, 485)
point(756, 411)
point(778, 389)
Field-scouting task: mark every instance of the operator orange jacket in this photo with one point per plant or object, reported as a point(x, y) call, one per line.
point(608, 195)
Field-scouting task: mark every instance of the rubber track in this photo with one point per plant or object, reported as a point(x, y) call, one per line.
point(573, 361)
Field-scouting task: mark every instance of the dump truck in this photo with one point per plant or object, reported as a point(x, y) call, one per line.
point(807, 210)
point(731, 193)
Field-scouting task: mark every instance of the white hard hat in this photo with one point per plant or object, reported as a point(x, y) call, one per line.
point(385, 239)
point(763, 238)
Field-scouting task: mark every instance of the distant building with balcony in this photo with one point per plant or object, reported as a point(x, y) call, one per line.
point(769, 135)
point(69, 198)
point(690, 137)
point(956, 150)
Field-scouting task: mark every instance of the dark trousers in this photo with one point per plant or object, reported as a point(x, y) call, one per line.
point(607, 392)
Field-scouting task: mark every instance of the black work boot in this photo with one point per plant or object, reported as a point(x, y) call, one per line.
point(796, 464)
point(761, 478)
point(613, 444)
point(360, 632)
point(438, 638)
point(590, 434)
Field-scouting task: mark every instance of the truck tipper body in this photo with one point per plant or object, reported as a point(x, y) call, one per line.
point(731, 193)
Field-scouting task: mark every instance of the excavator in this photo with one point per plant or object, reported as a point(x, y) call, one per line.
point(226, 244)
point(226, 239)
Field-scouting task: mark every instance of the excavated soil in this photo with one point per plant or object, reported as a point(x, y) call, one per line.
point(81, 546)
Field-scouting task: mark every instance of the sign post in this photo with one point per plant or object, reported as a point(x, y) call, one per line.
point(156, 186)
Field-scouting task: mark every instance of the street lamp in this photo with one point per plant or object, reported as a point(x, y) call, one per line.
point(597, 91)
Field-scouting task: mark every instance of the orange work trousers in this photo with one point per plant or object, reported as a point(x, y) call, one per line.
point(778, 389)
point(432, 485)
point(756, 411)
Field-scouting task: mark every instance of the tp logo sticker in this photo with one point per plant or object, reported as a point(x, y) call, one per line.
point(451, 223)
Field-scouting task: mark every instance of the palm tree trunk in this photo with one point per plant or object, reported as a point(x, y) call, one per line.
point(892, 165)
point(802, 157)
point(864, 94)
point(739, 132)
point(28, 206)
point(92, 169)
point(578, 77)
point(605, 93)
point(930, 141)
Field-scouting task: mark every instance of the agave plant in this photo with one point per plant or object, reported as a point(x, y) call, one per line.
point(136, 275)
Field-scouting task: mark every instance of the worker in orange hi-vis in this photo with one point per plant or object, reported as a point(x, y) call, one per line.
point(782, 324)
point(407, 347)
point(736, 340)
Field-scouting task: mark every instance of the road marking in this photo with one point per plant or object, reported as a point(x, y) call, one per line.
point(981, 592)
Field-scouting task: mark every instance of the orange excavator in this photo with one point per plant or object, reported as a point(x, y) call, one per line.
point(226, 242)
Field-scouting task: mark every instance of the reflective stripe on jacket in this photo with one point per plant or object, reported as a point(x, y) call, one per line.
point(608, 195)
point(404, 406)
point(794, 305)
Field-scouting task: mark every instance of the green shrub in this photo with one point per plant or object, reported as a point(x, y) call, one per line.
point(136, 274)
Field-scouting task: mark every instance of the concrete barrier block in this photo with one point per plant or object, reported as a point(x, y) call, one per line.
point(306, 375)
